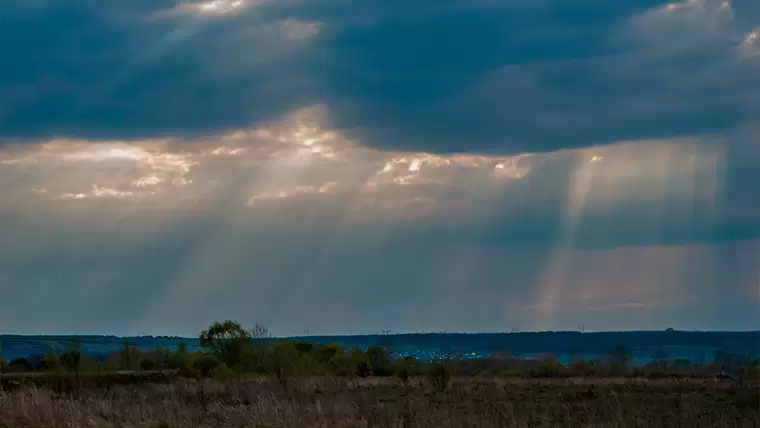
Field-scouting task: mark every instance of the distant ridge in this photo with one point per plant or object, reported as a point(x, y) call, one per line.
point(694, 344)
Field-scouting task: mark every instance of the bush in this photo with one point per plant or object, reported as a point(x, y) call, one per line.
point(205, 365)
point(325, 353)
point(223, 373)
point(304, 347)
point(19, 365)
point(750, 372)
point(379, 362)
point(403, 372)
point(180, 360)
point(147, 365)
point(550, 369)
point(283, 360)
point(71, 361)
point(129, 357)
point(509, 373)
point(583, 368)
point(343, 365)
point(439, 376)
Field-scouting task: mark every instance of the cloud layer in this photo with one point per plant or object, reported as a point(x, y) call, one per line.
point(462, 165)
point(453, 76)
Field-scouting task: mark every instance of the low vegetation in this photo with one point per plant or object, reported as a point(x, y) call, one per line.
point(388, 402)
point(245, 378)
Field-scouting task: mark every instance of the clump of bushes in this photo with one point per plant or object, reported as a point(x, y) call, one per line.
point(512, 373)
point(550, 369)
point(583, 368)
point(439, 376)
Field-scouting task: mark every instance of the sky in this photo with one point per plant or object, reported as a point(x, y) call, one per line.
point(355, 166)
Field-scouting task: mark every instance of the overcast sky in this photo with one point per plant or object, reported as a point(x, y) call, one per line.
point(352, 166)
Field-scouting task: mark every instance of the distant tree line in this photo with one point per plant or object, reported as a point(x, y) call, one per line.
point(230, 351)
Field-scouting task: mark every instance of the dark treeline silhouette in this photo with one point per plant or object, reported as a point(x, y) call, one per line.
point(559, 343)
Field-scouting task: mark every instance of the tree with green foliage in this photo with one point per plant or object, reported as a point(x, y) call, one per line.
point(227, 340)
point(379, 362)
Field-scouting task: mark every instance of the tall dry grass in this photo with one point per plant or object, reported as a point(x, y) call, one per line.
point(338, 402)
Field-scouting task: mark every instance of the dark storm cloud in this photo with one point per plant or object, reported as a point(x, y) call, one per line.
point(112, 69)
point(434, 75)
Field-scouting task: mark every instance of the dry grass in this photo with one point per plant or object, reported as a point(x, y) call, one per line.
point(335, 402)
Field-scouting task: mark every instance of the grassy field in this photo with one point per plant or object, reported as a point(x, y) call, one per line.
point(342, 402)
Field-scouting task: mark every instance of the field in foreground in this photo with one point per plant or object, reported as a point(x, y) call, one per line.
point(340, 402)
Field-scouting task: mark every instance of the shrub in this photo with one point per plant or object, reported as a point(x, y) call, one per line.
point(306, 364)
point(304, 347)
point(750, 371)
point(583, 368)
point(19, 365)
point(223, 373)
point(147, 365)
point(71, 359)
point(205, 365)
point(282, 360)
point(379, 362)
point(510, 373)
point(129, 357)
point(550, 369)
point(343, 365)
point(325, 353)
point(180, 360)
point(160, 357)
point(439, 376)
point(403, 373)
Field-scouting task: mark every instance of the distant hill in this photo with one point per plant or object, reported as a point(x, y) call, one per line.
point(644, 344)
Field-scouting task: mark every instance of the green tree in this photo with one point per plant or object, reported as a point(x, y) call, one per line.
point(379, 362)
point(228, 340)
